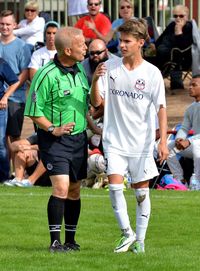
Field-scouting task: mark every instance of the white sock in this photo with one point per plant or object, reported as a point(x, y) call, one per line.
point(119, 205)
point(142, 213)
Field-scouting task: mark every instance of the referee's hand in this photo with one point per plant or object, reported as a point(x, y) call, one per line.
point(65, 129)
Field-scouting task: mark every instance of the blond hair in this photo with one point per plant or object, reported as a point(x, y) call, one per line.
point(181, 8)
point(32, 4)
point(127, 1)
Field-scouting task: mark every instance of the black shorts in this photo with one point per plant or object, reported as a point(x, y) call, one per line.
point(64, 155)
point(15, 119)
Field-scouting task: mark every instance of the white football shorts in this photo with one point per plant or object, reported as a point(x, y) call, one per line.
point(140, 168)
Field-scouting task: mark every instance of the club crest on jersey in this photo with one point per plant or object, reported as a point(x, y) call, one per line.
point(34, 96)
point(140, 84)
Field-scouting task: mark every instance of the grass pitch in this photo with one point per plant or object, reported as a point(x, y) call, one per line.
point(172, 242)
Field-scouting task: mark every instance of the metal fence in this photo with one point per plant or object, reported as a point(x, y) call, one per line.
point(160, 10)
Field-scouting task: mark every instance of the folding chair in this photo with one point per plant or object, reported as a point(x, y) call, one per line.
point(180, 60)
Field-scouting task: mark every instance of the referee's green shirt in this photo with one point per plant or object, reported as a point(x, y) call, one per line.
point(59, 95)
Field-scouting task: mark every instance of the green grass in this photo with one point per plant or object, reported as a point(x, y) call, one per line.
point(172, 241)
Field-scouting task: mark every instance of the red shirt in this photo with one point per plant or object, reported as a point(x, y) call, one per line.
point(103, 25)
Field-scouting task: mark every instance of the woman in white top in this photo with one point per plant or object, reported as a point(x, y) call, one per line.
point(126, 12)
point(31, 29)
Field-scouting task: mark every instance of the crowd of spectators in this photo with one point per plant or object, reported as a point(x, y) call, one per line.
point(20, 60)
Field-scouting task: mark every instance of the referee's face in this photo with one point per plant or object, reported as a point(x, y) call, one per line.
point(78, 48)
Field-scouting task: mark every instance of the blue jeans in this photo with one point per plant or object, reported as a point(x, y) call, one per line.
point(4, 159)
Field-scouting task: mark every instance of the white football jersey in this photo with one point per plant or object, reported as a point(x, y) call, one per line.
point(41, 57)
point(132, 99)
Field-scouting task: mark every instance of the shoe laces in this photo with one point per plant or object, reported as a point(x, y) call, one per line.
point(120, 240)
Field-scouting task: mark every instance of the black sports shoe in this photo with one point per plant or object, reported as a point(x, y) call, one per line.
point(56, 247)
point(72, 246)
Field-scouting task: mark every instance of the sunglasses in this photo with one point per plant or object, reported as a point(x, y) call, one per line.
point(92, 53)
point(178, 16)
point(31, 10)
point(94, 4)
point(194, 85)
point(123, 7)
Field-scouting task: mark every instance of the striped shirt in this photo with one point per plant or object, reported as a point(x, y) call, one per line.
point(60, 94)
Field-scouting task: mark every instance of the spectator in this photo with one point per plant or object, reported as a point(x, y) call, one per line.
point(183, 145)
point(26, 161)
point(178, 34)
point(78, 7)
point(43, 55)
point(7, 76)
point(58, 103)
point(95, 24)
point(17, 54)
point(132, 90)
point(97, 53)
point(31, 29)
point(126, 12)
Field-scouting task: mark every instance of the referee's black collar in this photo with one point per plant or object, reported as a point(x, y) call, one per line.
point(72, 70)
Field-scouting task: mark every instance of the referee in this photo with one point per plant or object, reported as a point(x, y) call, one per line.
point(58, 104)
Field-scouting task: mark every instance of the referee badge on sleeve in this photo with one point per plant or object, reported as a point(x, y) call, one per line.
point(66, 92)
point(34, 96)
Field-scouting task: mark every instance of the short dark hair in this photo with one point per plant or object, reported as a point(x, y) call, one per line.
point(6, 12)
point(196, 76)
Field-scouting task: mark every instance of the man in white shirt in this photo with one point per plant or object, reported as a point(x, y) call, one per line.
point(131, 90)
point(187, 146)
point(43, 55)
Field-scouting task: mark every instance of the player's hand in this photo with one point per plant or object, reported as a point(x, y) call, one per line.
point(163, 152)
point(100, 71)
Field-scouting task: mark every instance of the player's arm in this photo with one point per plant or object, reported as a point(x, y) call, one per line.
point(162, 147)
point(96, 99)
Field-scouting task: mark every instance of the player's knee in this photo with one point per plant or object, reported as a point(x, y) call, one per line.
point(74, 191)
point(141, 195)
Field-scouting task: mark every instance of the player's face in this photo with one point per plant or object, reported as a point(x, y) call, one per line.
point(129, 45)
point(78, 48)
point(50, 36)
point(194, 88)
point(7, 24)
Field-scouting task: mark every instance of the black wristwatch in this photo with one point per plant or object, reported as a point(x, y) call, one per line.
point(51, 129)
